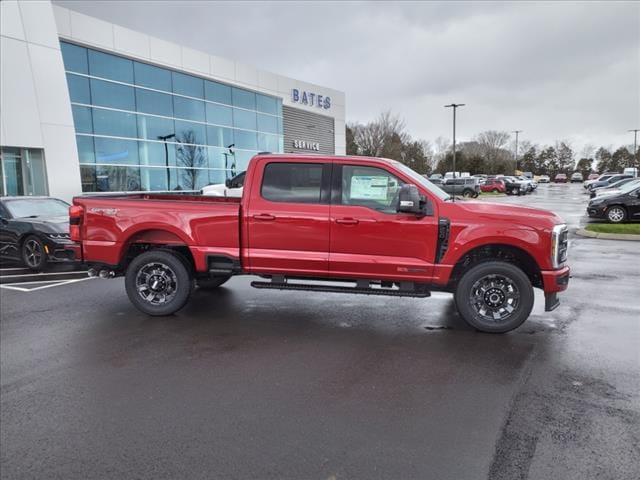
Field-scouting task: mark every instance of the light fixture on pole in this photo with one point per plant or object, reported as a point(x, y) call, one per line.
point(517, 132)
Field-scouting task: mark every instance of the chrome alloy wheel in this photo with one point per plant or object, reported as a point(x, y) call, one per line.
point(615, 214)
point(33, 253)
point(494, 298)
point(156, 283)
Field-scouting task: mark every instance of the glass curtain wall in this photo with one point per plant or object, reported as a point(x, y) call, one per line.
point(140, 127)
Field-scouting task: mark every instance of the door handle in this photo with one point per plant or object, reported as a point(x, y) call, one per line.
point(347, 221)
point(265, 217)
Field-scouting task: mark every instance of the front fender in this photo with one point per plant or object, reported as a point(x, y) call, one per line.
point(468, 237)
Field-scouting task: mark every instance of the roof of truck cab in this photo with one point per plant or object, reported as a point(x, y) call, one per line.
point(315, 156)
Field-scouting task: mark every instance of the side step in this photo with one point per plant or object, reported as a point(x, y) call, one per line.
point(407, 289)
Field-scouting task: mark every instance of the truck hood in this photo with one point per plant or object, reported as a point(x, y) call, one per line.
point(516, 214)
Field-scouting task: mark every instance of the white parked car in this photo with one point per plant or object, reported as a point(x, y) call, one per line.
point(231, 188)
point(544, 179)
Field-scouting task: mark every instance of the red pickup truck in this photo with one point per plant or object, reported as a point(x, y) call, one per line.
point(331, 224)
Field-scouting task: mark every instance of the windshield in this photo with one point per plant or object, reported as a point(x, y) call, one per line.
point(627, 187)
point(37, 207)
point(420, 180)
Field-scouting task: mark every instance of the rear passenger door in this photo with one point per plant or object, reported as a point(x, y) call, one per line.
point(287, 218)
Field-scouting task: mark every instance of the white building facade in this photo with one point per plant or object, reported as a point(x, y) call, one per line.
point(89, 106)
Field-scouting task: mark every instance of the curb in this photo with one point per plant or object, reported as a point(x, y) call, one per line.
point(608, 236)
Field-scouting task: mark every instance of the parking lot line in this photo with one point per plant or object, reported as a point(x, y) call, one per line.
point(12, 286)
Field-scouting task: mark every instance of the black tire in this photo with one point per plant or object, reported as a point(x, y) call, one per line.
point(495, 190)
point(467, 193)
point(616, 214)
point(494, 274)
point(165, 269)
point(33, 253)
point(212, 283)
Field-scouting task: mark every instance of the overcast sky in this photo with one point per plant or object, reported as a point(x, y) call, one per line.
point(556, 70)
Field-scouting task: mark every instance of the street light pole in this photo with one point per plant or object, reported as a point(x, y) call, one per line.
point(517, 132)
point(635, 142)
point(455, 107)
point(164, 138)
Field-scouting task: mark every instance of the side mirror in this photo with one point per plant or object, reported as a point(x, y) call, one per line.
point(411, 201)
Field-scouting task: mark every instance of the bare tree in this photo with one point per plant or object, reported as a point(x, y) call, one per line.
point(191, 157)
point(376, 136)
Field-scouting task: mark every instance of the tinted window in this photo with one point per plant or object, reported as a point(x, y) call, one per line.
point(112, 95)
point(109, 66)
point(189, 132)
point(85, 149)
point(110, 150)
point(244, 119)
point(117, 179)
point(78, 88)
point(117, 124)
point(370, 187)
point(153, 179)
point(82, 119)
point(154, 102)
point(219, 136)
point(219, 114)
point(268, 143)
point(188, 85)
point(152, 77)
point(243, 98)
point(153, 153)
point(74, 57)
point(292, 182)
point(267, 123)
point(246, 140)
point(188, 108)
point(217, 92)
point(154, 127)
point(267, 104)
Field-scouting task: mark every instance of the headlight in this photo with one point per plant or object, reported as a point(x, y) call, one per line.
point(59, 236)
point(559, 245)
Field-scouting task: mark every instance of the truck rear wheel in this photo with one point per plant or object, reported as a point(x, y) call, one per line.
point(158, 282)
point(494, 297)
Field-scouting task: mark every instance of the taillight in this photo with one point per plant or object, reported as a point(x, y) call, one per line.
point(75, 219)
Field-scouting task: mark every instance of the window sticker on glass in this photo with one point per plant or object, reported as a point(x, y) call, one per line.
point(369, 187)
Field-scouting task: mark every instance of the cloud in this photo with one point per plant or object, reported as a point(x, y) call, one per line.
point(557, 70)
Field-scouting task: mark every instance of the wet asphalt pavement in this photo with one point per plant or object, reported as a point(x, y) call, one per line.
point(249, 384)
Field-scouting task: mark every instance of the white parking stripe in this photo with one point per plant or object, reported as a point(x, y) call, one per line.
point(12, 286)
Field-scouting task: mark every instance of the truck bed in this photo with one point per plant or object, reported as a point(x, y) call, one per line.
point(207, 226)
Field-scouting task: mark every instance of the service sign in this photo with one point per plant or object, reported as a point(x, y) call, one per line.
point(311, 99)
point(304, 145)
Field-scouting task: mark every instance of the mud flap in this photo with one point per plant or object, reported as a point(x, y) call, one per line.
point(551, 301)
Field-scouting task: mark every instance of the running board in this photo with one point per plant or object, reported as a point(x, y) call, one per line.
point(407, 289)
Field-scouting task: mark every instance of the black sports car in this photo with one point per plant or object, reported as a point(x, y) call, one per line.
point(35, 230)
point(617, 208)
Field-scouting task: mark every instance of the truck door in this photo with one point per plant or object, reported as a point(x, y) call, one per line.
point(287, 218)
point(369, 239)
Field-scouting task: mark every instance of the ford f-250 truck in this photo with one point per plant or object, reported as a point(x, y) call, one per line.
point(331, 224)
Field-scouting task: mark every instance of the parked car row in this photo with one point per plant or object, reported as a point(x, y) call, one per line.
point(618, 207)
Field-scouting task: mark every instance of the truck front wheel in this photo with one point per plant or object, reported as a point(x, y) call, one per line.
point(494, 297)
point(158, 282)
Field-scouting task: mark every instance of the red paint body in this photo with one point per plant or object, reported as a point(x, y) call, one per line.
point(493, 185)
point(314, 240)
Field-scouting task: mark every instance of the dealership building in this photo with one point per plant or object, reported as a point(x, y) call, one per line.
point(89, 106)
